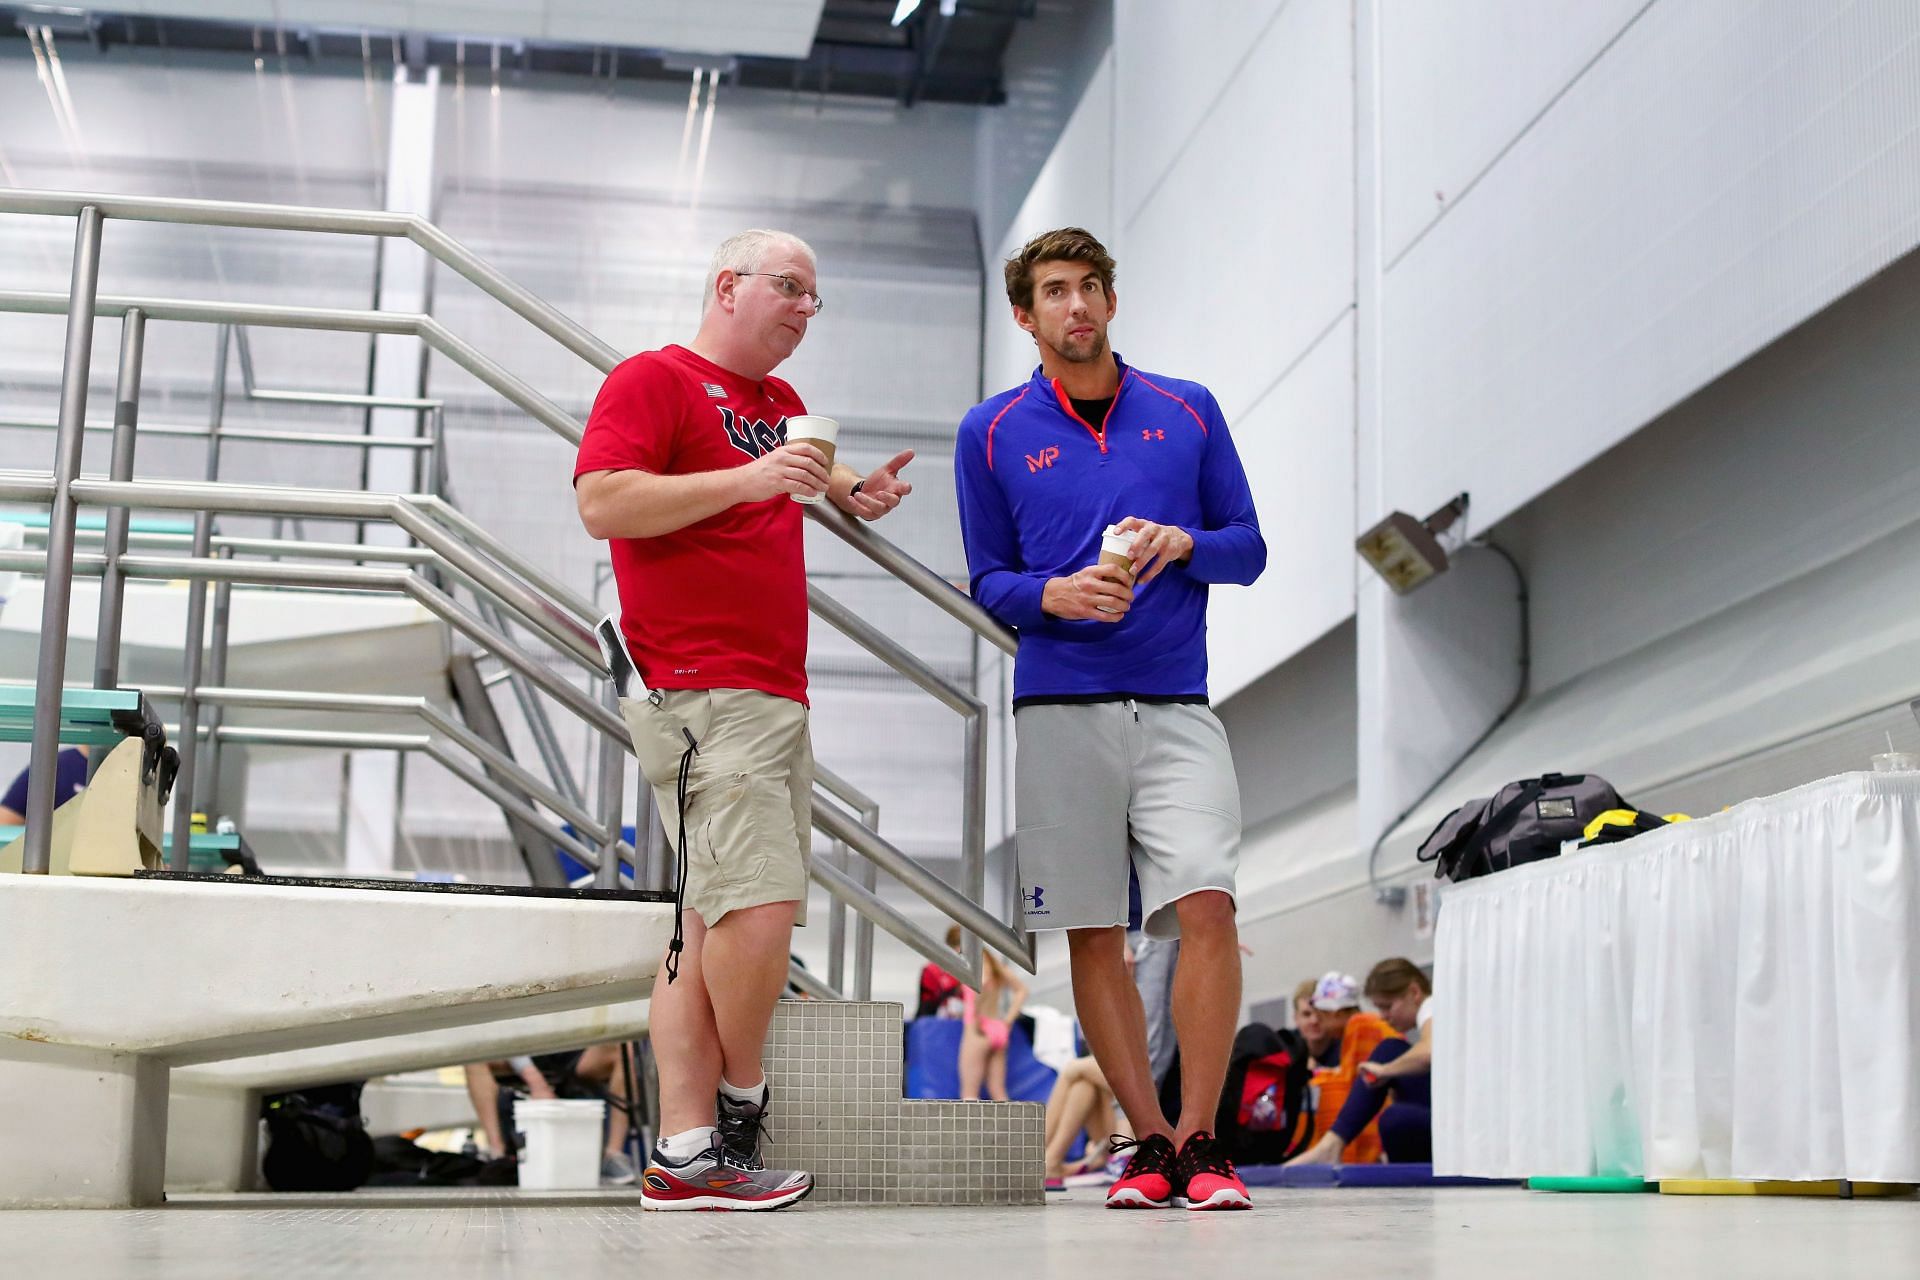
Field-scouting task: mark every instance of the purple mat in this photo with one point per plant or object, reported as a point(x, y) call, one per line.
point(1357, 1175)
point(1304, 1175)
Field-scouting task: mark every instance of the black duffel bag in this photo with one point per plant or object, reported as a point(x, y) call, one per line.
point(1522, 822)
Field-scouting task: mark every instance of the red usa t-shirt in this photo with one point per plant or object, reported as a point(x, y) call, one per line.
point(721, 604)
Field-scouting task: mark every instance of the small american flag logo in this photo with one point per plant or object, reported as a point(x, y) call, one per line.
point(715, 390)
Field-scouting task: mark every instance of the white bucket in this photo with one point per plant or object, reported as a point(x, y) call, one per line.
point(562, 1152)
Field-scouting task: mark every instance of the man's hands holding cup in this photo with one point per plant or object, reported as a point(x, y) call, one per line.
point(1101, 592)
point(798, 469)
point(1155, 546)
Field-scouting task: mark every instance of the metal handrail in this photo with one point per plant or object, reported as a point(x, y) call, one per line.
point(562, 624)
point(406, 324)
point(273, 217)
point(267, 434)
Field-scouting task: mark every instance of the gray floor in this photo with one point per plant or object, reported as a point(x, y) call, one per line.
point(1481, 1234)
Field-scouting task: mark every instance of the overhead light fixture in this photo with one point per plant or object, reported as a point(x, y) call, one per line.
point(1407, 552)
point(904, 10)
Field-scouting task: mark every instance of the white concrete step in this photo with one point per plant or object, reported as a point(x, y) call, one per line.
point(115, 983)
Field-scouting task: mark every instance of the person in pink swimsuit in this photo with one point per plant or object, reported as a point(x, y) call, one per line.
point(988, 1020)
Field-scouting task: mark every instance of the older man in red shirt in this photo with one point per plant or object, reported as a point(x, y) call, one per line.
point(686, 472)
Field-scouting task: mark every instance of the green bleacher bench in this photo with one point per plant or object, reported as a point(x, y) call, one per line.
point(97, 717)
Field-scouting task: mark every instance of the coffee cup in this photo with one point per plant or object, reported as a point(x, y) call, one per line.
point(1116, 548)
point(810, 428)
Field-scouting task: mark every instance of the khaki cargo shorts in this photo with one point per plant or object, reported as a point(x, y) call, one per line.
point(749, 793)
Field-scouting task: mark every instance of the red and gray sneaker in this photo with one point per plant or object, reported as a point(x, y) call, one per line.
point(711, 1180)
point(1205, 1177)
point(1149, 1177)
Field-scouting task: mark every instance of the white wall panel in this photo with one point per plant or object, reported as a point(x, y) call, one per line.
point(1461, 80)
point(1075, 188)
point(1174, 62)
point(1243, 257)
point(1297, 446)
point(1724, 171)
point(1294, 730)
point(1794, 460)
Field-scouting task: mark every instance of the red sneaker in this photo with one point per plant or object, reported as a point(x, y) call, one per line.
point(1148, 1181)
point(1206, 1177)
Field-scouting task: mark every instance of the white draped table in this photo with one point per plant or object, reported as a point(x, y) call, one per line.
point(1734, 997)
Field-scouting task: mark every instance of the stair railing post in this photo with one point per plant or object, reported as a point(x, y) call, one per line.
point(126, 423)
point(51, 673)
point(184, 792)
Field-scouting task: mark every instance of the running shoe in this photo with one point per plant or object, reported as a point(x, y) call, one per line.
point(616, 1170)
point(712, 1181)
point(1206, 1178)
point(1148, 1180)
point(741, 1124)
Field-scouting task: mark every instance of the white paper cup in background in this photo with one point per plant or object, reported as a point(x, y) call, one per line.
point(811, 428)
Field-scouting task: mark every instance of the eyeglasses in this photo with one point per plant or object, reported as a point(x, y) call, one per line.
point(789, 288)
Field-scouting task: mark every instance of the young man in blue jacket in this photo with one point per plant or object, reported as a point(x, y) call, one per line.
point(1119, 758)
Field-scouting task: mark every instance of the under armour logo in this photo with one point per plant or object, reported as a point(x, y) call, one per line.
point(1035, 903)
point(1152, 433)
point(1047, 455)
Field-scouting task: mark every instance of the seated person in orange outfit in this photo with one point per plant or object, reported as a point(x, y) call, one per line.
point(1336, 1016)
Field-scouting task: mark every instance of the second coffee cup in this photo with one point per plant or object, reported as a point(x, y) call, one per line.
point(811, 428)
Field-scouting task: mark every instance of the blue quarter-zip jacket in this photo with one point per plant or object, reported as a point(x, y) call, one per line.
point(1037, 487)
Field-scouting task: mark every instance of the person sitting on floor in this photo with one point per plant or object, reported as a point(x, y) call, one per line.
point(1081, 1101)
point(1393, 1084)
point(597, 1070)
point(1334, 1013)
point(1323, 1047)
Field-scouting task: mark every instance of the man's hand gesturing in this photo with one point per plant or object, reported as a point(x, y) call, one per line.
point(1102, 592)
point(790, 469)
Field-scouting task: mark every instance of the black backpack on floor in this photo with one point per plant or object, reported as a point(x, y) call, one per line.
point(317, 1140)
point(1265, 1116)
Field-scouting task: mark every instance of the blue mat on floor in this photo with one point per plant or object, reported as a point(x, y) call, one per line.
point(933, 1062)
point(1357, 1175)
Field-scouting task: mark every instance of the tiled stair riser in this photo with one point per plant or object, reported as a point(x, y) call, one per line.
point(835, 1069)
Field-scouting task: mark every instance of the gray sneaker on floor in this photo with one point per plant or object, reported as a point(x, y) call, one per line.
point(741, 1124)
point(616, 1170)
point(711, 1180)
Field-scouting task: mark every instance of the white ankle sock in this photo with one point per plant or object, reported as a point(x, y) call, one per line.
point(682, 1147)
point(749, 1094)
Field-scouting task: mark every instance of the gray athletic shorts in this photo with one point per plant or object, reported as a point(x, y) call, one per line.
point(1100, 785)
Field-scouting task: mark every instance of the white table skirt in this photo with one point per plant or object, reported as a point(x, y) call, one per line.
point(1735, 997)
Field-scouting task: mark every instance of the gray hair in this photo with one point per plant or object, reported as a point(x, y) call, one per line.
point(747, 252)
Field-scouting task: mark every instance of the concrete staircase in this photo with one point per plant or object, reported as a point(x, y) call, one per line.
point(836, 1070)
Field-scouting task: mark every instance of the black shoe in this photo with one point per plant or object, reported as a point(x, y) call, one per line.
point(740, 1129)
